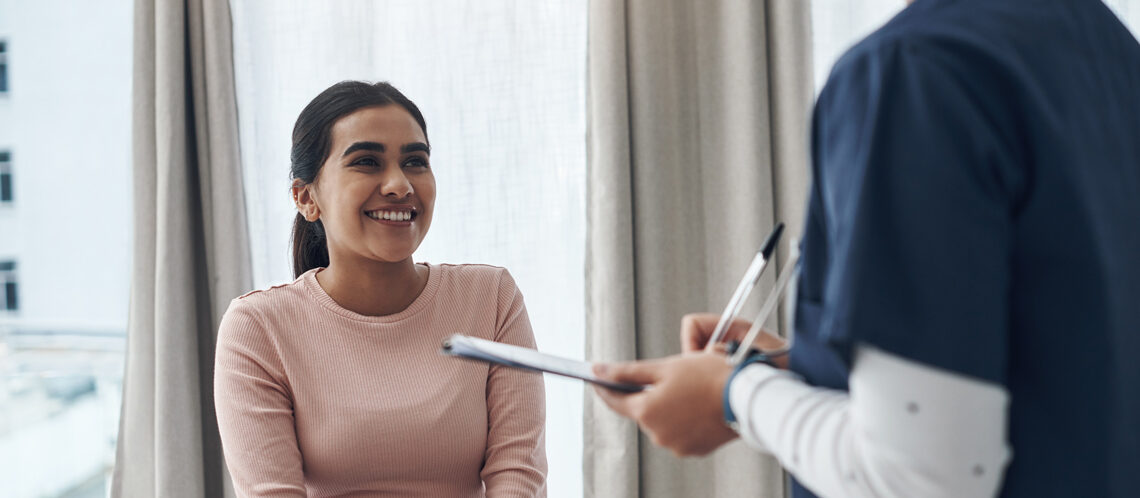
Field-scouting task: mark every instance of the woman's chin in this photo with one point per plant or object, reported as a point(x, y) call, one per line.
point(391, 255)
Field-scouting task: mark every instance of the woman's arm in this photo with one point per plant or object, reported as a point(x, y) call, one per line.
point(255, 409)
point(515, 461)
point(905, 429)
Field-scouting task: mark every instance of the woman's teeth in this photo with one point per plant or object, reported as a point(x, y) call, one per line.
point(390, 215)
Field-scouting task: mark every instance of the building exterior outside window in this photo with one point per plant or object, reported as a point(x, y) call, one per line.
point(65, 215)
point(5, 177)
point(3, 66)
point(9, 295)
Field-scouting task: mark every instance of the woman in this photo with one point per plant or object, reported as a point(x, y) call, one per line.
point(332, 385)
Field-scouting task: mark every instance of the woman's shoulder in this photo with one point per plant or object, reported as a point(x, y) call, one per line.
point(257, 315)
point(273, 297)
point(477, 281)
point(474, 273)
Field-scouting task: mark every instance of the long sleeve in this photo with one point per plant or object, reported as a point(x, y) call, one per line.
point(255, 409)
point(316, 400)
point(904, 430)
point(516, 455)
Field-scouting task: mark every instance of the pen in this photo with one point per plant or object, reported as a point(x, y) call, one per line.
point(743, 350)
point(751, 278)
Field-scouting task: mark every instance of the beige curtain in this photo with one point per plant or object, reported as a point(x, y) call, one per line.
point(191, 251)
point(697, 130)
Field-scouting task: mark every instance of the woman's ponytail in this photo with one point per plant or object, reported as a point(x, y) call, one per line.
point(310, 248)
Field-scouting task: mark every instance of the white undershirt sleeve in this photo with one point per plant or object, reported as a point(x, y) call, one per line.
point(905, 429)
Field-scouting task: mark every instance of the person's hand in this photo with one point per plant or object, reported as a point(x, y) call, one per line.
point(697, 328)
point(683, 409)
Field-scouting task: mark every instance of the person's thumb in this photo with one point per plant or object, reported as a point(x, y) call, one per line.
point(637, 372)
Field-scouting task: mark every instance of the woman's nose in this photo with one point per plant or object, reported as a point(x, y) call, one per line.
point(396, 184)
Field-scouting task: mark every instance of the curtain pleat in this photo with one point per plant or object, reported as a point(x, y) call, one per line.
point(697, 127)
point(191, 251)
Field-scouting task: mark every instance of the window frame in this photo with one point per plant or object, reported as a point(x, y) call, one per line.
point(9, 287)
point(4, 86)
point(7, 182)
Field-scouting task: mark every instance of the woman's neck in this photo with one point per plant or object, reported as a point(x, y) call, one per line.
point(373, 288)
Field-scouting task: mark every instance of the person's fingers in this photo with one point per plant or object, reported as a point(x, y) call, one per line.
point(609, 399)
point(737, 330)
point(766, 341)
point(636, 372)
point(620, 403)
point(697, 329)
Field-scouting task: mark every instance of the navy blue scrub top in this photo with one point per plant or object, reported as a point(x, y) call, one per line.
point(976, 208)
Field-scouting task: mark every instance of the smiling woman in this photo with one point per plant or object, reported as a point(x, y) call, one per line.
point(379, 140)
point(502, 84)
point(332, 384)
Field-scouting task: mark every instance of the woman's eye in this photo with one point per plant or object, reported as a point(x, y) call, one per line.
point(416, 162)
point(365, 161)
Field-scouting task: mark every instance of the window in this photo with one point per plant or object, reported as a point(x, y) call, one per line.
point(3, 66)
point(8, 286)
point(5, 177)
point(64, 275)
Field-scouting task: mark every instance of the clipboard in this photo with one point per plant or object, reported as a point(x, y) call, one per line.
point(474, 348)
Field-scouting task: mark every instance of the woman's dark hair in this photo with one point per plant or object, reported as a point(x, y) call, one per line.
point(312, 138)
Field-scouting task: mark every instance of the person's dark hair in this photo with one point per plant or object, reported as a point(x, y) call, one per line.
point(312, 138)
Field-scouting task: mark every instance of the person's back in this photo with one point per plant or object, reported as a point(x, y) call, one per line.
point(1046, 95)
point(1075, 319)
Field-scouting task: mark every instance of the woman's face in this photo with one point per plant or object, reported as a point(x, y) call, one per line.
point(375, 191)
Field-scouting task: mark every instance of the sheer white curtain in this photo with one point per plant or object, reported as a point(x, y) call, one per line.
point(502, 87)
point(1129, 12)
point(838, 24)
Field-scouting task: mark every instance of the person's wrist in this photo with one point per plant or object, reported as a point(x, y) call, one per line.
point(729, 416)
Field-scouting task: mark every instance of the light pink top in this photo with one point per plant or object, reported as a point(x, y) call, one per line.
point(316, 400)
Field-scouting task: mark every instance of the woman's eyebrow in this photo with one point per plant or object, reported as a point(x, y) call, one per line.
point(372, 146)
point(416, 147)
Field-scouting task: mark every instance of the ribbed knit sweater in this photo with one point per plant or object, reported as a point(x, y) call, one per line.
point(316, 400)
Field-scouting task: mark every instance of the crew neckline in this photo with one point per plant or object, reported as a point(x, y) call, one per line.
point(422, 301)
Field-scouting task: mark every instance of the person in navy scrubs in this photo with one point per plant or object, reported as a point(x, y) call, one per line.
point(968, 309)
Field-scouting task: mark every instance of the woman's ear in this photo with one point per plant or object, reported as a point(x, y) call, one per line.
point(304, 197)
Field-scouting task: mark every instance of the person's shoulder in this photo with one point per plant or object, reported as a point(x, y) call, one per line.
point(473, 271)
point(915, 26)
point(272, 297)
point(934, 42)
point(487, 280)
point(967, 36)
point(251, 317)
